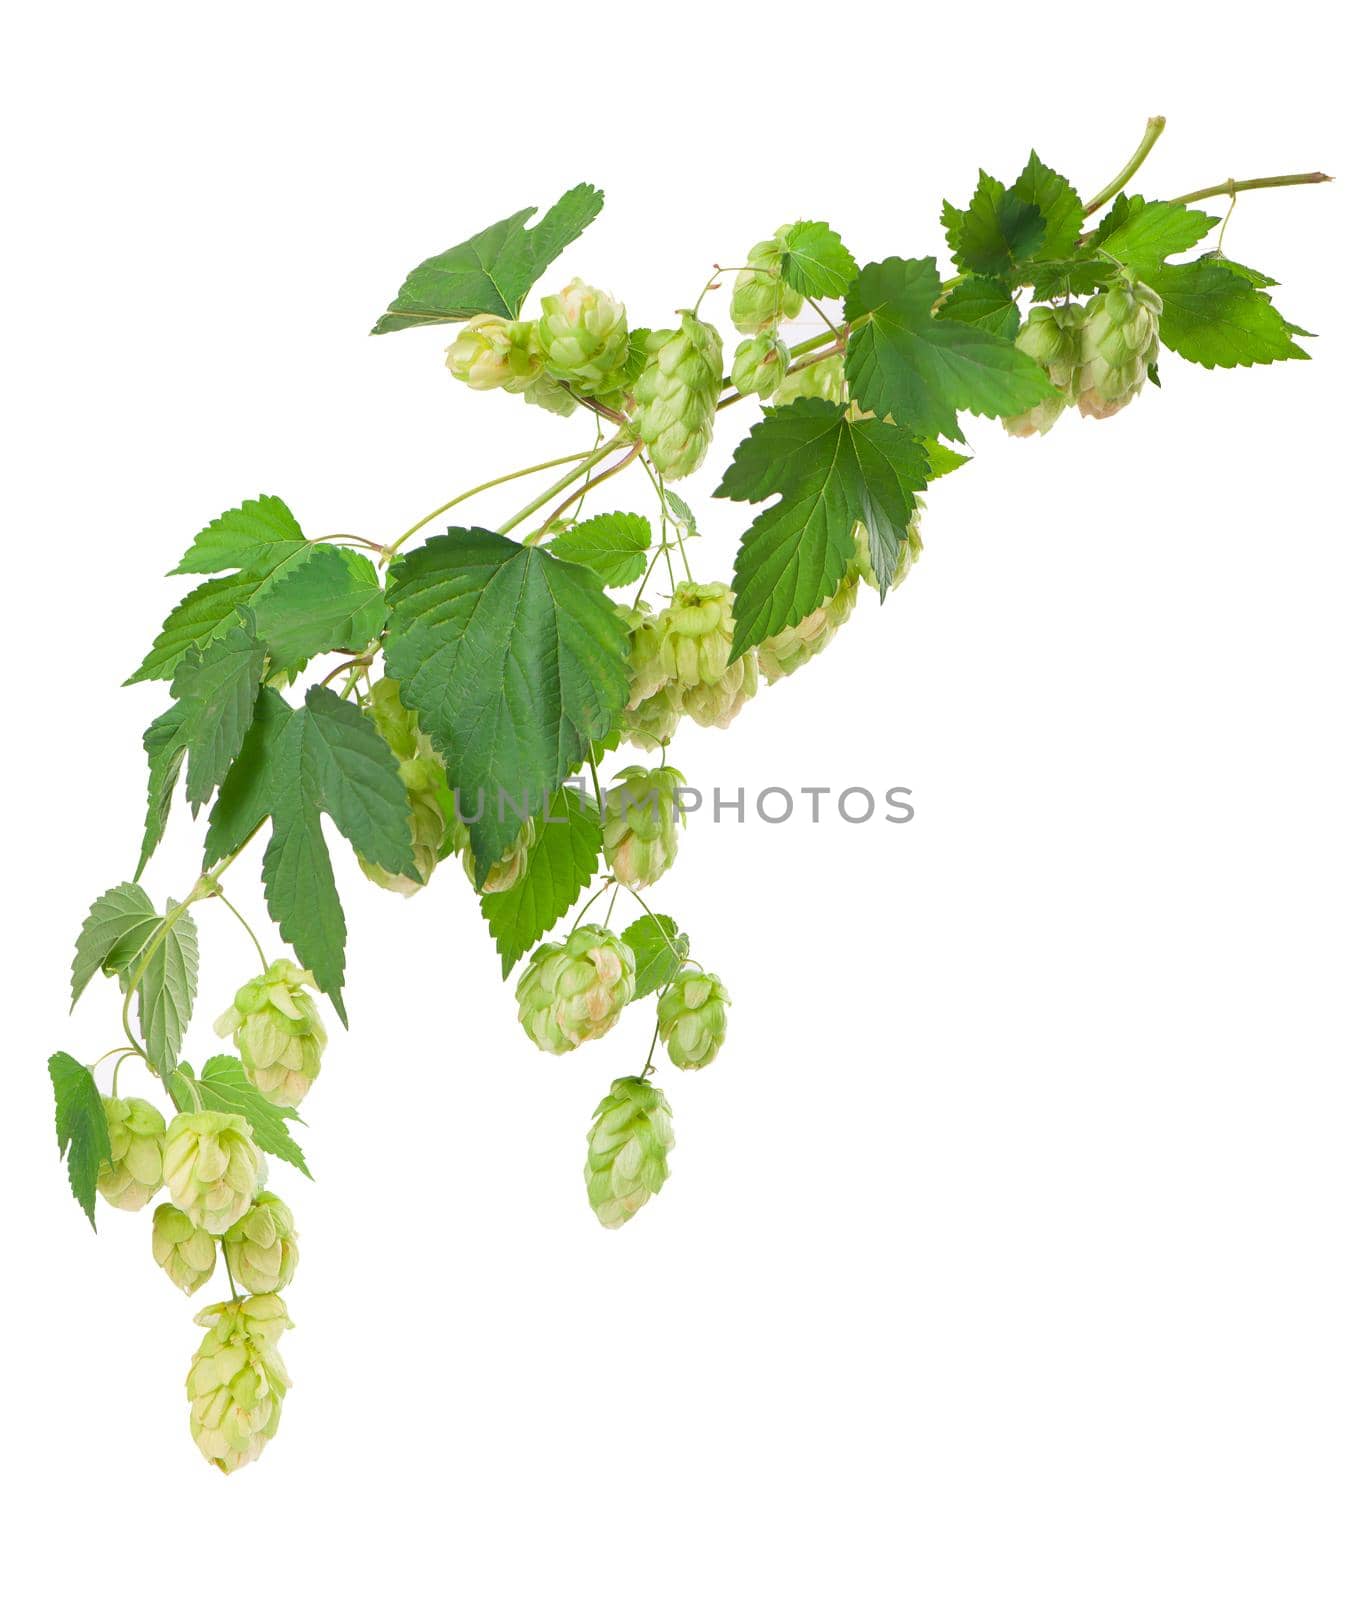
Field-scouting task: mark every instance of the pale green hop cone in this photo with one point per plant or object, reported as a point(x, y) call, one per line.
point(261, 1248)
point(692, 1015)
point(491, 353)
point(696, 637)
point(646, 669)
point(137, 1146)
point(186, 1252)
point(237, 1381)
point(759, 365)
point(793, 647)
point(653, 721)
point(628, 1145)
point(1120, 340)
point(549, 395)
point(433, 825)
point(1052, 336)
point(641, 824)
point(583, 336)
point(760, 299)
point(572, 992)
point(212, 1167)
point(506, 872)
point(277, 1029)
point(677, 395)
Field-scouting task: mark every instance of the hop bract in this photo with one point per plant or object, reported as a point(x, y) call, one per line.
point(677, 395)
point(187, 1252)
point(583, 336)
point(261, 1248)
point(575, 991)
point(1052, 336)
point(212, 1167)
point(759, 365)
point(792, 647)
point(628, 1145)
point(1119, 341)
point(492, 353)
point(692, 1015)
point(137, 1146)
point(641, 824)
point(237, 1380)
point(696, 638)
point(277, 1028)
point(760, 299)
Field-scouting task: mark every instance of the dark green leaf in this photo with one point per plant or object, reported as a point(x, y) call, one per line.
point(815, 261)
point(613, 544)
point(82, 1127)
point(996, 232)
point(1078, 275)
point(660, 949)
point(244, 799)
point(986, 303)
point(166, 993)
point(247, 538)
point(561, 861)
point(331, 601)
point(1060, 205)
point(119, 923)
point(216, 689)
point(163, 742)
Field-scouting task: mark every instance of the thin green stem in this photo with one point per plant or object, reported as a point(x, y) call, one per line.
point(259, 948)
point(235, 1292)
point(1156, 126)
point(580, 915)
point(1235, 186)
point(583, 465)
point(561, 509)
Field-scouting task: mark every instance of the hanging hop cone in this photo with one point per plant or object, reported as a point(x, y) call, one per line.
point(137, 1145)
point(908, 552)
point(212, 1167)
point(641, 824)
point(692, 1014)
point(1118, 343)
point(759, 365)
point(187, 1252)
point(677, 395)
point(696, 636)
point(575, 991)
point(548, 394)
point(652, 722)
point(491, 353)
point(510, 868)
point(823, 380)
point(261, 1248)
point(277, 1030)
point(583, 335)
point(237, 1380)
point(793, 647)
point(628, 1145)
point(760, 299)
point(1052, 336)
point(427, 792)
point(653, 710)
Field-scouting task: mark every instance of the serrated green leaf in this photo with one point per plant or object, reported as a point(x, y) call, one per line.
point(168, 987)
point(679, 510)
point(921, 370)
point(223, 1086)
point(1141, 233)
point(613, 545)
point(494, 270)
point(942, 460)
point(331, 601)
point(830, 472)
point(246, 538)
point(996, 232)
point(660, 949)
point(561, 861)
point(1214, 317)
point(244, 799)
point(1076, 275)
point(815, 261)
point(514, 662)
point(82, 1127)
point(117, 926)
point(216, 688)
point(986, 303)
point(163, 742)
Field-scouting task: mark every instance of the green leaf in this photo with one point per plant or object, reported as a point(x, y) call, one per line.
point(561, 861)
point(223, 1086)
point(660, 949)
point(247, 538)
point(613, 544)
point(117, 927)
point(167, 990)
point(514, 662)
point(1141, 233)
point(985, 303)
point(163, 742)
point(1077, 275)
point(216, 688)
point(494, 270)
point(815, 261)
point(922, 370)
point(329, 758)
point(942, 460)
point(331, 601)
point(1062, 211)
point(82, 1127)
point(244, 799)
point(679, 510)
point(996, 232)
point(1213, 316)
point(830, 472)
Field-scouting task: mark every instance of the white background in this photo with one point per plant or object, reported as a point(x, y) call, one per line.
point(1009, 1247)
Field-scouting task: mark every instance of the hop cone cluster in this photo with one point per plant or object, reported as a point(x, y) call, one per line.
point(137, 1148)
point(187, 1252)
point(641, 824)
point(793, 647)
point(427, 791)
point(277, 1029)
point(237, 1380)
point(575, 991)
point(261, 1247)
point(692, 1014)
point(212, 1167)
point(677, 395)
point(583, 336)
point(760, 364)
point(696, 636)
point(1119, 341)
point(653, 710)
point(760, 299)
point(492, 353)
point(1052, 336)
point(628, 1145)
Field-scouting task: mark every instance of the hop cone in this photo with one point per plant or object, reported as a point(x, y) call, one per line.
point(137, 1146)
point(510, 868)
point(572, 992)
point(237, 1380)
point(187, 1252)
point(583, 335)
point(791, 648)
point(427, 792)
point(1119, 342)
point(261, 1248)
point(696, 636)
point(823, 380)
point(641, 824)
point(628, 1145)
point(907, 554)
point(646, 669)
point(652, 722)
point(692, 1014)
point(491, 353)
point(277, 1029)
point(1052, 335)
point(212, 1167)
point(677, 395)
point(759, 365)
point(760, 299)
